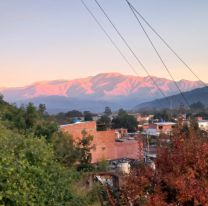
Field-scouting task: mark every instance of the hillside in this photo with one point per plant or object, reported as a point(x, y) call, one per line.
point(95, 92)
point(196, 95)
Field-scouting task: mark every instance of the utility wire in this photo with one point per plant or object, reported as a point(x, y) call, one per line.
point(132, 52)
point(110, 39)
point(158, 54)
point(167, 44)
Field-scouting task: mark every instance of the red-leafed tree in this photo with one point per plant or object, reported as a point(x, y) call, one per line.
point(180, 177)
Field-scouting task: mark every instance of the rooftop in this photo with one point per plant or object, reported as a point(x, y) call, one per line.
point(165, 123)
point(202, 121)
point(71, 124)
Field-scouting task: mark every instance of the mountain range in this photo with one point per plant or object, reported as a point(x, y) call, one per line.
point(95, 92)
point(175, 101)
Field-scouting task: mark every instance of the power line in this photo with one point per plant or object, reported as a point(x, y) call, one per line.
point(132, 52)
point(167, 44)
point(108, 36)
point(158, 54)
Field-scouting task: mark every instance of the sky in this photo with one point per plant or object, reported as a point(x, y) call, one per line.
point(58, 39)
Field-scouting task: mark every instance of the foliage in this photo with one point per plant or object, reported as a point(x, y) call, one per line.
point(180, 177)
point(68, 117)
point(84, 146)
point(65, 149)
point(197, 107)
point(30, 175)
point(74, 113)
point(164, 115)
point(87, 116)
point(124, 120)
point(107, 111)
point(37, 160)
point(102, 165)
point(28, 119)
point(42, 109)
point(104, 123)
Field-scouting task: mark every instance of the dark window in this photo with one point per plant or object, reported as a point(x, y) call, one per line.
point(160, 127)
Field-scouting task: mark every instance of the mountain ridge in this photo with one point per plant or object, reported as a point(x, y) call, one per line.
point(193, 96)
point(113, 88)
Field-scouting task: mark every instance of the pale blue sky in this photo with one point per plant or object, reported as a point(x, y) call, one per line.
point(57, 39)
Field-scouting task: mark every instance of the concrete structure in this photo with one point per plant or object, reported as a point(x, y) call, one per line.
point(76, 129)
point(106, 145)
point(142, 118)
point(155, 129)
point(203, 125)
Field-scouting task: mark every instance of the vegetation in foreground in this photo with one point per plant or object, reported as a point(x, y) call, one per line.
point(37, 162)
point(37, 165)
point(180, 177)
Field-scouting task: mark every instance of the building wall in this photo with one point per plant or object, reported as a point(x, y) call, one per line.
point(76, 129)
point(105, 143)
point(203, 125)
point(107, 148)
point(165, 128)
point(159, 128)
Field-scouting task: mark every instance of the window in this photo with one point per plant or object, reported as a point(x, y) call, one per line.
point(160, 127)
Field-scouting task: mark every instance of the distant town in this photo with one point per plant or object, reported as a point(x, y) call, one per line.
point(103, 103)
point(129, 136)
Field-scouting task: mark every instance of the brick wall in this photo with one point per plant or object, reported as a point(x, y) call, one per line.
point(105, 145)
point(76, 129)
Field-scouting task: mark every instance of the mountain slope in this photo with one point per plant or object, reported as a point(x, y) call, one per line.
point(110, 88)
point(63, 104)
point(200, 94)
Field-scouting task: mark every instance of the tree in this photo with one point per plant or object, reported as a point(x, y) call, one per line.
point(31, 115)
point(180, 177)
point(84, 146)
point(65, 149)
point(74, 113)
point(45, 129)
point(1, 99)
point(107, 111)
point(164, 115)
point(30, 175)
point(42, 109)
point(104, 123)
point(65, 118)
point(87, 116)
point(124, 120)
point(197, 107)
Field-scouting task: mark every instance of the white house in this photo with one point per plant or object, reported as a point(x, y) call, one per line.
point(203, 125)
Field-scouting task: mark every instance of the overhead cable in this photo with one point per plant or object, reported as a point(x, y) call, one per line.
point(158, 54)
point(109, 37)
point(167, 44)
point(132, 52)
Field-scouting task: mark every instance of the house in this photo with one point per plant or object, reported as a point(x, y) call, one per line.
point(155, 129)
point(142, 118)
point(203, 125)
point(106, 143)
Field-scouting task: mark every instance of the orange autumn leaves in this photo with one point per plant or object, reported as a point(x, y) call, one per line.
point(180, 178)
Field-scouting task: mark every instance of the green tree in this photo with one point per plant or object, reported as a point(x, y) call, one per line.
point(45, 129)
point(84, 146)
point(104, 123)
point(124, 120)
point(87, 116)
point(107, 111)
point(42, 109)
point(197, 107)
point(30, 175)
point(74, 113)
point(65, 149)
point(31, 115)
point(1, 99)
